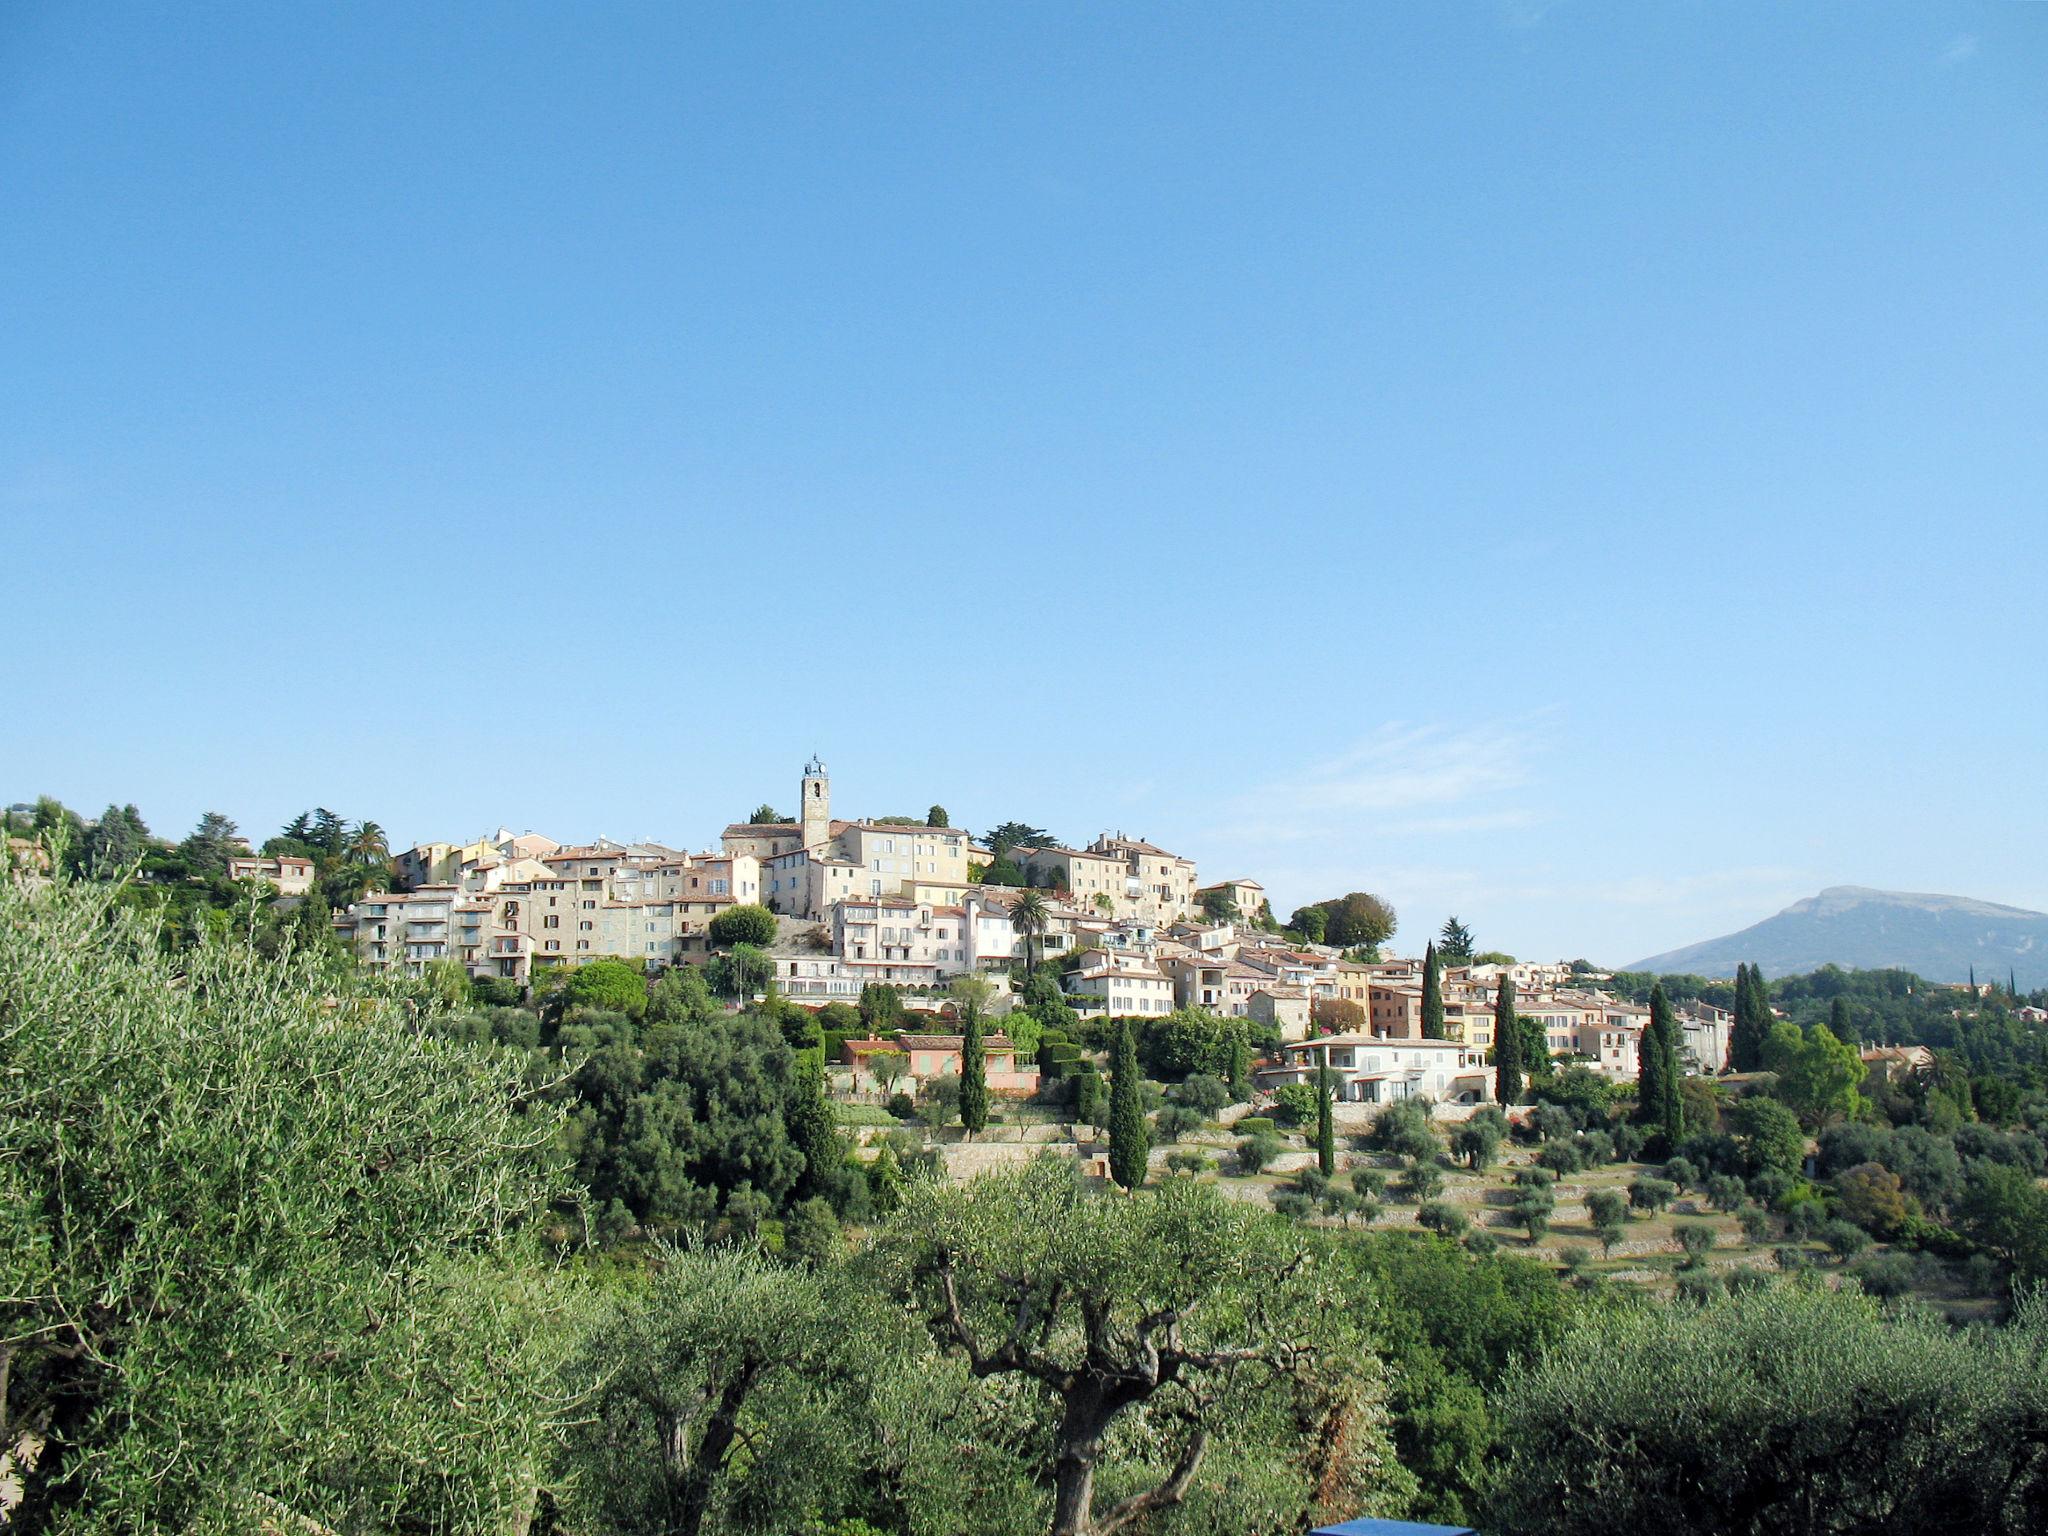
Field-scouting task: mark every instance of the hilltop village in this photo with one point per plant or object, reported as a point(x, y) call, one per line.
point(913, 907)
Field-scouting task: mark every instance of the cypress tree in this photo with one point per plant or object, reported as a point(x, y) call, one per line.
point(1326, 1118)
point(1507, 1045)
point(1839, 1022)
point(1667, 1110)
point(973, 1072)
point(1746, 1038)
point(1129, 1145)
point(1650, 1065)
point(1432, 994)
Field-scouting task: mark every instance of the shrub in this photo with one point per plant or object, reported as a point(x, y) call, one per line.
point(1681, 1173)
point(1725, 1192)
point(1553, 1122)
point(1533, 1208)
point(1254, 1152)
point(1476, 1143)
point(1789, 1257)
point(1755, 1222)
point(1255, 1125)
point(745, 924)
point(1446, 1220)
point(1844, 1239)
point(902, 1105)
point(1204, 1094)
point(1189, 1162)
point(1480, 1242)
point(1696, 1239)
point(1404, 1127)
point(1295, 1104)
point(1423, 1181)
point(1884, 1274)
point(1371, 1183)
point(1871, 1196)
point(1176, 1121)
point(1698, 1286)
point(1561, 1157)
point(1648, 1194)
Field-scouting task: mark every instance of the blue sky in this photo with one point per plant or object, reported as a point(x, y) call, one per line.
point(1582, 467)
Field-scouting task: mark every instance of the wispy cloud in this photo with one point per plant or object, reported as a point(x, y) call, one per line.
point(1524, 14)
point(1407, 779)
point(1960, 50)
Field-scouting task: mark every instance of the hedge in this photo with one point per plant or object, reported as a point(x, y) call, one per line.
point(1255, 1125)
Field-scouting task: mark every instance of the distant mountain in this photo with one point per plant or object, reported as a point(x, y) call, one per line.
point(1939, 937)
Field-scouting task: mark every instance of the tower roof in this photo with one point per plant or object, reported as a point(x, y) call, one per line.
point(815, 768)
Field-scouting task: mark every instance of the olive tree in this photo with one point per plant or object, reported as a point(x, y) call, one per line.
point(723, 1380)
point(1164, 1319)
point(1791, 1409)
point(258, 1233)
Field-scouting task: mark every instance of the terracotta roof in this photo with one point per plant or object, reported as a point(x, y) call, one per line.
point(953, 1042)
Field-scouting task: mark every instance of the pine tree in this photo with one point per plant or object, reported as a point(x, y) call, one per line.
point(1129, 1145)
point(973, 1072)
point(1457, 942)
point(1326, 1118)
point(1507, 1045)
point(1432, 995)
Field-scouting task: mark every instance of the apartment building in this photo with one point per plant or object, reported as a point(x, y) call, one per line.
point(286, 875)
point(1091, 881)
point(1156, 884)
point(1246, 897)
point(1119, 984)
point(1286, 1009)
point(1370, 1070)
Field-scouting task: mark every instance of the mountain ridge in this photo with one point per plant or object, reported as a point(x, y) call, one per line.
point(1860, 927)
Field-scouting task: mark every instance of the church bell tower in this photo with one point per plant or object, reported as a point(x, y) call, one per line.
point(817, 812)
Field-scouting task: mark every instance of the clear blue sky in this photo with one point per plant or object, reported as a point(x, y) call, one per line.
point(1584, 467)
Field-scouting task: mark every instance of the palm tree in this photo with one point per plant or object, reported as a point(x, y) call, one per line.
point(1029, 915)
point(368, 845)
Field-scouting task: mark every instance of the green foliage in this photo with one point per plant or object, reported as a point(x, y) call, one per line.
point(259, 1260)
point(881, 1009)
point(1454, 944)
point(1769, 1134)
point(1357, 921)
point(612, 985)
point(1659, 1103)
point(971, 994)
point(1326, 1121)
point(2006, 1211)
point(1509, 1069)
point(1094, 1308)
point(1752, 1021)
point(1432, 994)
point(1651, 1194)
point(1253, 1152)
point(1871, 1196)
point(1294, 1104)
point(1129, 1141)
point(1818, 1075)
point(1695, 1240)
point(743, 924)
point(1804, 1410)
point(720, 1387)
